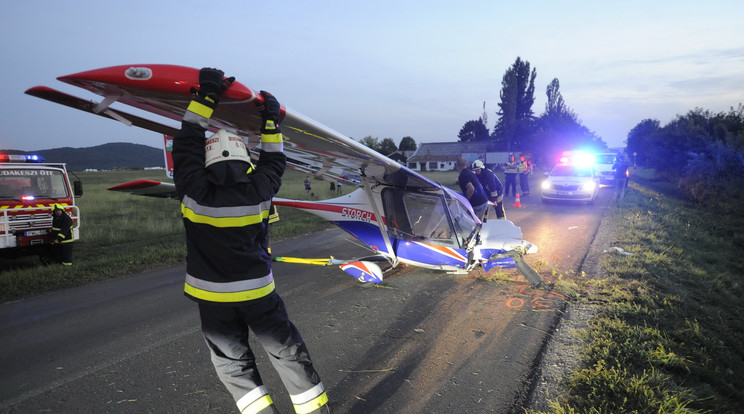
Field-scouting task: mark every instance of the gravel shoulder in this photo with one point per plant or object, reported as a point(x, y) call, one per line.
point(562, 354)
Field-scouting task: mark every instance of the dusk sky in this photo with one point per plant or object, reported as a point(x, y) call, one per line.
point(386, 69)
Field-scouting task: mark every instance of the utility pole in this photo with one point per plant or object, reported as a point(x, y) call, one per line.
point(484, 117)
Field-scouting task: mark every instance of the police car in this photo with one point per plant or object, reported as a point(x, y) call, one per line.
point(571, 182)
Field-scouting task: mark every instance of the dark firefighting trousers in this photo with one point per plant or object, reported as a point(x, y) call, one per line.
point(511, 183)
point(498, 206)
point(226, 330)
point(63, 253)
point(524, 182)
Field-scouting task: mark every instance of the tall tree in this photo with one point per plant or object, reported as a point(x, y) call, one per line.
point(559, 129)
point(555, 104)
point(515, 114)
point(641, 139)
point(371, 142)
point(473, 131)
point(407, 144)
point(387, 146)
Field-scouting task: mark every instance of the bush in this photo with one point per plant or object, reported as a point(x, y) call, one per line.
point(714, 177)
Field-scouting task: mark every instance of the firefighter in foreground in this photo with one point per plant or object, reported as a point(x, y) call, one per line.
point(62, 234)
point(225, 202)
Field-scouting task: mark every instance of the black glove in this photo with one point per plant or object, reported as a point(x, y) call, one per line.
point(269, 108)
point(212, 84)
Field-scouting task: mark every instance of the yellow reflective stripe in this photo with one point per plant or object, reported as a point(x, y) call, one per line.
point(251, 167)
point(235, 216)
point(255, 401)
point(312, 405)
point(272, 142)
point(223, 221)
point(258, 405)
point(272, 138)
point(229, 296)
point(200, 109)
point(273, 218)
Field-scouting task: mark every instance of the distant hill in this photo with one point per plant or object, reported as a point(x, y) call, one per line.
point(103, 157)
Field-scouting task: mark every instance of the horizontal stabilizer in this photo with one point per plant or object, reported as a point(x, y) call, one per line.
point(364, 271)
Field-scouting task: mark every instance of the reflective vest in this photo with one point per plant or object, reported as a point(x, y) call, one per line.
point(511, 168)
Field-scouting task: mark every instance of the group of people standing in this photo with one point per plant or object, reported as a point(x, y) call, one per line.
point(521, 168)
point(480, 185)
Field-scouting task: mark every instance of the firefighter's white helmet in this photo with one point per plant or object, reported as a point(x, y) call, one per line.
point(477, 164)
point(225, 146)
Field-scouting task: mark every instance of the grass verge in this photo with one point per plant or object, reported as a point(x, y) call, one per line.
point(668, 333)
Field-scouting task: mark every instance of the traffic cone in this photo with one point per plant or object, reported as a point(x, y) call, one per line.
point(517, 204)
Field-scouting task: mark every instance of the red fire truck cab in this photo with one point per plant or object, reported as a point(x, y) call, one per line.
point(28, 189)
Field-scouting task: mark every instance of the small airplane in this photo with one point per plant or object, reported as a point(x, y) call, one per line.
point(400, 215)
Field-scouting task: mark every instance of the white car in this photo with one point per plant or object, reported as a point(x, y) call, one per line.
point(603, 163)
point(571, 183)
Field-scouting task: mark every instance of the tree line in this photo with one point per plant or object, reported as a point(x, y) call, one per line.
point(701, 152)
point(518, 129)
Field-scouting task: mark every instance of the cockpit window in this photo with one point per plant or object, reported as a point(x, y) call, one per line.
point(465, 223)
point(418, 216)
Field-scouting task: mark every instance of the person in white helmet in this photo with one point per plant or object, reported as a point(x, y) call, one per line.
point(492, 186)
point(225, 201)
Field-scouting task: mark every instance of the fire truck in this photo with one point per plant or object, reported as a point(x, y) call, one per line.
point(28, 189)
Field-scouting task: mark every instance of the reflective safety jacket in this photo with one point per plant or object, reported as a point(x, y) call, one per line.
point(511, 168)
point(62, 228)
point(225, 212)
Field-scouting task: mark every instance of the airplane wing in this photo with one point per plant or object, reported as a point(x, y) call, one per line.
point(164, 90)
point(150, 188)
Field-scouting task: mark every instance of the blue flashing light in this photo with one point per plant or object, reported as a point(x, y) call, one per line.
point(578, 158)
point(21, 158)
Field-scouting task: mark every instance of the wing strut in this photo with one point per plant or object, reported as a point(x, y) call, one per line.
point(103, 106)
point(529, 273)
point(380, 225)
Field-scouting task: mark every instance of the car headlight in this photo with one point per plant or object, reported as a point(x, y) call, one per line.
point(546, 185)
point(589, 185)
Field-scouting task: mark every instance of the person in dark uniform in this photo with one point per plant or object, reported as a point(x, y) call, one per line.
point(524, 168)
point(225, 201)
point(620, 168)
point(510, 175)
point(471, 188)
point(492, 186)
point(62, 235)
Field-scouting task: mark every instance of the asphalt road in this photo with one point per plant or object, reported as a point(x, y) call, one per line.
point(423, 341)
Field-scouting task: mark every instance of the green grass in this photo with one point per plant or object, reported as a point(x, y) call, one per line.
point(121, 234)
point(667, 335)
